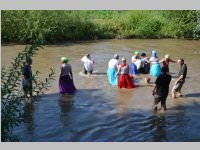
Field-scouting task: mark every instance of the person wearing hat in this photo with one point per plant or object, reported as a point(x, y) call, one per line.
point(135, 64)
point(161, 89)
point(155, 69)
point(112, 69)
point(88, 62)
point(124, 80)
point(155, 66)
point(66, 84)
point(165, 62)
point(136, 54)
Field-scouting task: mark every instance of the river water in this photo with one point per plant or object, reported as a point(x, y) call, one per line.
point(99, 112)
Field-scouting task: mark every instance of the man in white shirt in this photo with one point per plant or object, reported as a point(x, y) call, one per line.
point(88, 62)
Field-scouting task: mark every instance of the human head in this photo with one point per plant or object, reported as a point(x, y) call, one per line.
point(153, 54)
point(88, 55)
point(143, 55)
point(136, 53)
point(123, 60)
point(164, 70)
point(180, 61)
point(28, 60)
point(166, 56)
point(64, 59)
point(116, 56)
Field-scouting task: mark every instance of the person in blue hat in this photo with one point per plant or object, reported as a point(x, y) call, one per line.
point(155, 69)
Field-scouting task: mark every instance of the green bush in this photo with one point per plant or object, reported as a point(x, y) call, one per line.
point(59, 25)
point(12, 97)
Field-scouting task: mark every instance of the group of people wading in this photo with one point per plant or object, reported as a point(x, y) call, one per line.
point(122, 74)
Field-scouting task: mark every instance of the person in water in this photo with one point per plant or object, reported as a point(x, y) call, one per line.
point(155, 66)
point(155, 69)
point(136, 54)
point(66, 84)
point(145, 67)
point(181, 79)
point(27, 78)
point(112, 69)
point(124, 80)
point(88, 62)
point(133, 67)
point(137, 61)
point(165, 62)
point(161, 89)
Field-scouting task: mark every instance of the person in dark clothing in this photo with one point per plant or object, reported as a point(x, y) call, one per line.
point(181, 79)
point(145, 64)
point(161, 89)
point(27, 78)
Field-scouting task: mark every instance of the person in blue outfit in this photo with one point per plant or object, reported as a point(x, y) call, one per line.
point(27, 78)
point(133, 70)
point(112, 69)
point(155, 69)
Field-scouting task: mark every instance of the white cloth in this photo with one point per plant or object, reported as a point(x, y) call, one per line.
point(88, 63)
point(113, 63)
point(133, 58)
point(66, 68)
point(138, 63)
point(153, 60)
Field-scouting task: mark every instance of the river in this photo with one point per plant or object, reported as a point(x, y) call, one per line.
point(99, 112)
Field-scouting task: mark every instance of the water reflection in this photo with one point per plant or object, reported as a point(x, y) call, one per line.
point(65, 102)
point(28, 117)
point(159, 123)
point(123, 99)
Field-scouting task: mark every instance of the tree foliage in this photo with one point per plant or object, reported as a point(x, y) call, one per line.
point(12, 95)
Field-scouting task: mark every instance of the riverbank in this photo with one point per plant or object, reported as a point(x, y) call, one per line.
point(55, 26)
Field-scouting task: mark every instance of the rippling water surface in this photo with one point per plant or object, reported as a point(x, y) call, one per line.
point(99, 112)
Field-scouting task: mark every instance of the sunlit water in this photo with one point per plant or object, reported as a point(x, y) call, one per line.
point(99, 112)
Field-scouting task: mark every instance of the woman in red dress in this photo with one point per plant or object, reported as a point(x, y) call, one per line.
point(124, 80)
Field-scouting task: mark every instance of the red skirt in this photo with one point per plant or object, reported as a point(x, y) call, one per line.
point(125, 81)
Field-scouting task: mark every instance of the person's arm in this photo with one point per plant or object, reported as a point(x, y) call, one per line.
point(157, 82)
point(147, 59)
point(60, 73)
point(162, 60)
point(154, 90)
point(83, 59)
point(118, 71)
point(173, 61)
point(179, 78)
point(71, 73)
point(92, 58)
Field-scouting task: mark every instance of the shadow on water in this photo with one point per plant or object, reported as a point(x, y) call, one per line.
point(99, 73)
point(195, 95)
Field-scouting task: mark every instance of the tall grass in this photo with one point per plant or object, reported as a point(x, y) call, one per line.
point(56, 26)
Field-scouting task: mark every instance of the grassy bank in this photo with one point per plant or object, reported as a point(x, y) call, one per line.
point(57, 26)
